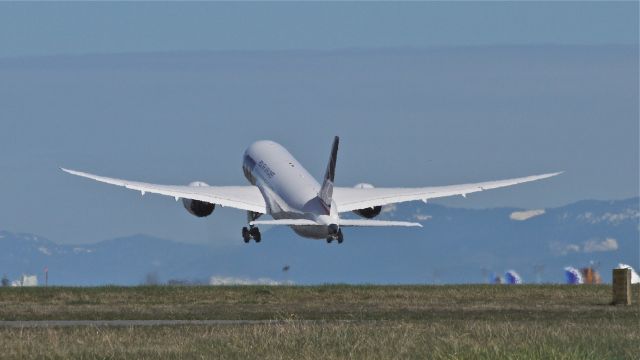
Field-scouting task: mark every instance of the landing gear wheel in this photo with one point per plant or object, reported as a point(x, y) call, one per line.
point(329, 240)
point(255, 234)
point(246, 236)
point(340, 238)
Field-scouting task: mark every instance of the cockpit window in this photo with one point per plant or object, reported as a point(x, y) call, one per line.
point(247, 168)
point(249, 162)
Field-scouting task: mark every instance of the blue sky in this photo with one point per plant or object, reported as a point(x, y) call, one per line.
point(421, 93)
point(77, 28)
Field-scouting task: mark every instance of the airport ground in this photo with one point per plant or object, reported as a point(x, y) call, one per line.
point(332, 321)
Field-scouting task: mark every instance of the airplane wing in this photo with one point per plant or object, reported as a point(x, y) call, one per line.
point(349, 199)
point(240, 197)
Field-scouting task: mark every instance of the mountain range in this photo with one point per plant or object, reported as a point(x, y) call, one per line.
point(456, 245)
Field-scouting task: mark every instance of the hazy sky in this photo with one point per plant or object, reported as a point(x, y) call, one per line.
point(421, 93)
point(78, 28)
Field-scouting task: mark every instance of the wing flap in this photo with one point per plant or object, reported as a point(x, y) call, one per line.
point(240, 197)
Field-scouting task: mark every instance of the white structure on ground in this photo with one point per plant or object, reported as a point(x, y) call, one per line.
point(26, 280)
point(635, 279)
point(230, 280)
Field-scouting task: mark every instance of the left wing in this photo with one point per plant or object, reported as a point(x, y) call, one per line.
point(240, 197)
point(349, 199)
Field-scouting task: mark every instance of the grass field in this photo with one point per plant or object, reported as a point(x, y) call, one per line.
point(448, 322)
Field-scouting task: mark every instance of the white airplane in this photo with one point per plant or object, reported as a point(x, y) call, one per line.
point(282, 188)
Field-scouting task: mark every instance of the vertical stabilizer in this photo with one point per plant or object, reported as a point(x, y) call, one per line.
point(326, 192)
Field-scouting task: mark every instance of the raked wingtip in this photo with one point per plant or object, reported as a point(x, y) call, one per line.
point(68, 171)
point(549, 175)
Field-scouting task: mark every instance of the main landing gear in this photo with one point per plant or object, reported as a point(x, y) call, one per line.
point(335, 233)
point(251, 233)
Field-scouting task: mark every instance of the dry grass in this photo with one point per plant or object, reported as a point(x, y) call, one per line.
point(331, 340)
point(443, 322)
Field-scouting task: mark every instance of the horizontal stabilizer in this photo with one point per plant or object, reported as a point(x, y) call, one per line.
point(298, 222)
point(343, 222)
point(366, 222)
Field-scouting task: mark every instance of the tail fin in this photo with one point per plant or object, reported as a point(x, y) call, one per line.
point(326, 192)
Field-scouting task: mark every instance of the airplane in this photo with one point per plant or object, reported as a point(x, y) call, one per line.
point(281, 187)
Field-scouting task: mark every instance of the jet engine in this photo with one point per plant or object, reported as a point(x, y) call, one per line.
point(197, 207)
point(370, 212)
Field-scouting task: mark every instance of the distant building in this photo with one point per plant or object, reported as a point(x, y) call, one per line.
point(590, 276)
point(26, 280)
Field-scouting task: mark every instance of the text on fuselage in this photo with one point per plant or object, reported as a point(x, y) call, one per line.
point(266, 169)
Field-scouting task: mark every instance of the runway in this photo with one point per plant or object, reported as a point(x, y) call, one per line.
point(128, 323)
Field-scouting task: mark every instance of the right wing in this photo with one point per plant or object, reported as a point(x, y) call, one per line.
point(349, 199)
point(240, 197)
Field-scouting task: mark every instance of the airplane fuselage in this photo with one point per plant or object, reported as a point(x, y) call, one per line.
point(290, 192)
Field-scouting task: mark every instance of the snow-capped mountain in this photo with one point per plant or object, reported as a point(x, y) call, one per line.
point(455, 246)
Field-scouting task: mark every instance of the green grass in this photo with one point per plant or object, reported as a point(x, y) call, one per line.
point(471, 302)
point(445, 322)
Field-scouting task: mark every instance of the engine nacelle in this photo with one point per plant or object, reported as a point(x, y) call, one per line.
point(196, 207)
point(371, 212)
